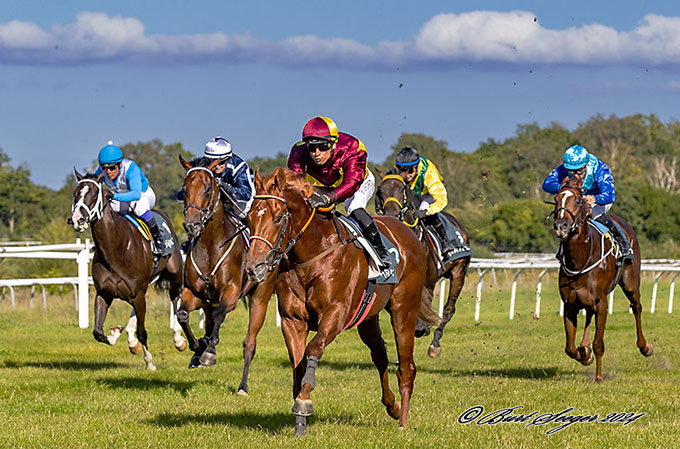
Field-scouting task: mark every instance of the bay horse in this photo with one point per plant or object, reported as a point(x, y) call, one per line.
point(214, 272)
point(589, 271)
point(322, 283)
point(123, 264)
point(395, 199)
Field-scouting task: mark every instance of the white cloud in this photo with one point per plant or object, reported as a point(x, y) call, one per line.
point(446, 39)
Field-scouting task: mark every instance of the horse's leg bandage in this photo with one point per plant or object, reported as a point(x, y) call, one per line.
point(309, 377)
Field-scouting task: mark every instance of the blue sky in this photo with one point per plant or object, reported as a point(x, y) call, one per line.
point(75, 74)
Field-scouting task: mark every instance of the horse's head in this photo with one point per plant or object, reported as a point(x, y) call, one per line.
point(88, 201)
point(393, 197)
point(271, 223)
point(201, 195)
point(571, 209)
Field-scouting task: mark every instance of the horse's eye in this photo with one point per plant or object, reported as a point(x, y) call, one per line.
point(277, 219)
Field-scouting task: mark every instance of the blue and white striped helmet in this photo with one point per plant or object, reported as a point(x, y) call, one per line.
point(575, 157)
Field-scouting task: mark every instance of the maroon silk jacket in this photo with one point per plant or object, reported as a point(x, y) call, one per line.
point(344, 171)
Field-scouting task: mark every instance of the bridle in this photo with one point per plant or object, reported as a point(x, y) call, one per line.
point(204, 213)
point(94, 213)
point(403, 208)
point(275, 254)
point(576, 220)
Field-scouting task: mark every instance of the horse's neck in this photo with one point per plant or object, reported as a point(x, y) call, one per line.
point(216, 228)
point(107, 231)
point(577, 250)
point(315, 239)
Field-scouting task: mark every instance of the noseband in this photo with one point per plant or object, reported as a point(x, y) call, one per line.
point(204, 213)
point(96, 212)
point(576, 221)
point(403, 208)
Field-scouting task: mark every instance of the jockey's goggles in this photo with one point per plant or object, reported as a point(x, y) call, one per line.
point(318, 145)
point(407, 168)
point(106, 167)
point(578, 171)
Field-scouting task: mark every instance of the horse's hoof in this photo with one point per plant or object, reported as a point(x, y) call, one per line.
point(434, 351)
point(182, 346)
point(394, 410)
point(241, 392)
point(647, 350)
point(303, 407)
point(150, 367)
point(587, 355)
point(135, 348)
point(422, 332)
point(208, 358)
point(195, 362)
point(598, 379)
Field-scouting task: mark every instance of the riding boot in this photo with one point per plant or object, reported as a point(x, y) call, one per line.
point(373, 236)
point(158, 246)
point(619, 235)
point(438, 226)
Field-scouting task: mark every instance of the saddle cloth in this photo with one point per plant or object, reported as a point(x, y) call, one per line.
point(143, 229)
point(375, 273)
point(604, 231)
point(453, 234)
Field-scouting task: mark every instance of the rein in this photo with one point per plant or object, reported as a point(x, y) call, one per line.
point(97, 209)
point(402, 208)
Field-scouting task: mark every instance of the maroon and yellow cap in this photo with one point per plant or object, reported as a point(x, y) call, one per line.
point(320, 128)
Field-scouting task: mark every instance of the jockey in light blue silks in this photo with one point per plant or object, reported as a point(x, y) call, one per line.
point(598, 187)
point(131, 189)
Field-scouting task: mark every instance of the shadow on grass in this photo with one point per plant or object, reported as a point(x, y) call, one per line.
point(71, 365)
point(271, 423)
point(141, 383)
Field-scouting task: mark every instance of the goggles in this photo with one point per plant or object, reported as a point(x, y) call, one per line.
point(109, 167)
point(318, 145)
point(407, 168)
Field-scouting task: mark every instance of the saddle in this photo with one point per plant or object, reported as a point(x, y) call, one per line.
point(143, 229)
point(453, 234)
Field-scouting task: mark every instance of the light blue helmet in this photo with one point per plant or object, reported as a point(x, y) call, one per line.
point(110, 154)
point(575, 157)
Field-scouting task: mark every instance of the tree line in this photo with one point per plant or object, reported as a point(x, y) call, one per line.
point(494, 191)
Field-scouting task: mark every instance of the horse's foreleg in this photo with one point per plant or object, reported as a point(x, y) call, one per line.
point(188, 302)
point(131, 329)
point(403, 323)
point(228, 301)
point(570, 321)
point(598, 341)
point(584, 349)
point(139, 304)
point(101, 309)
point(370, 334)
point(256, 313)
point(295, 334)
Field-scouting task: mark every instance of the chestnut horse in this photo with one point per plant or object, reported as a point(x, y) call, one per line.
point(395, 199)
point(589, 271)
point(214, 273)
point(322, 283)
point(122, 265)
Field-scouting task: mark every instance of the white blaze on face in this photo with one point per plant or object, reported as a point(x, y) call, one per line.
point(78, 211)
point(563, 203)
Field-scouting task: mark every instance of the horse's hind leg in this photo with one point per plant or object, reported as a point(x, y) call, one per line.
point(456, 281)
point(631, 287)
point(256, 313)
point(598, 341)
point(370, 334)
point(179, 341)
point(101, 309)
point(139, 305)
point(131, 329)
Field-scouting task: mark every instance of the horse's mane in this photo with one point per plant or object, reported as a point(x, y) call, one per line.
point(201, 161)
point(572, 183)
point(294, 180)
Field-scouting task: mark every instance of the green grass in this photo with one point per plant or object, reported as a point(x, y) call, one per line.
point(60, 388)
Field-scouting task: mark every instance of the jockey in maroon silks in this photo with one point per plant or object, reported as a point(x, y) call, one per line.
point(337, 161)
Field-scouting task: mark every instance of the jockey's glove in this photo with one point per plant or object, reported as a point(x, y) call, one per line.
point(420, 213)
point(321, 199)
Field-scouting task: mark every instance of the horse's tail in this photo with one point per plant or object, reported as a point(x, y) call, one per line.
point(426, 313)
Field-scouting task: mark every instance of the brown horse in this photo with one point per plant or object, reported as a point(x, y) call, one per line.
point(321, 286)
point(123, 264)
point(589, 271)
point(395, 199)
point(215, 272)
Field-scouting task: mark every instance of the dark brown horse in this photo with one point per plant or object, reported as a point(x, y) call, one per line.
point(122, 265)
point(588, 272)
point(322, 283)
point(395, 199)
point(214, 270)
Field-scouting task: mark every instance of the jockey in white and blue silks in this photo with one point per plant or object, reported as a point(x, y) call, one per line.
point(131, 189)
point(598, 187)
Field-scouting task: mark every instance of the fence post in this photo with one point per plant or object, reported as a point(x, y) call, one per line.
point(513, 292)
point(83, 260)
point(670, 294)
point(441, 298)
point(537, 312)
point(479, 292)
point(654, 289)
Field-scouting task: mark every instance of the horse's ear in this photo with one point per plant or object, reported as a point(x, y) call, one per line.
point(213, 164)
point(184, 163)
point(280, 179)
point(257, 179)
point(78, 175)
point(381, 175)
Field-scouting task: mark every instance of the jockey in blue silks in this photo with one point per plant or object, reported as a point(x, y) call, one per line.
point(131, 189)
point(598, 187)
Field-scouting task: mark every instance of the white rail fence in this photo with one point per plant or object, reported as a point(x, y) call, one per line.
point(82, 254)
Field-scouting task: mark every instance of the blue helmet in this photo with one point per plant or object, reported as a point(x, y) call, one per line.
point(575, 157)
point(110, 154)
